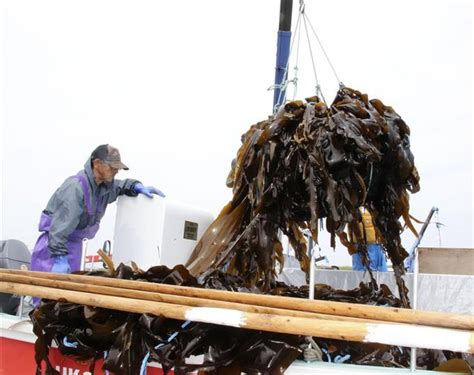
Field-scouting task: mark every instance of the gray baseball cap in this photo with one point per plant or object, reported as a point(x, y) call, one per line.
point(109, 155)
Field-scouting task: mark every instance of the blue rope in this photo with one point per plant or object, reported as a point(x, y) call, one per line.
point(327, 354)
point(143, 368)
point(69, 344)
point(341, 359)
point(105, 356)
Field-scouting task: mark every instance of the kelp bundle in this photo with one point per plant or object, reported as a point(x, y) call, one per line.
point(306, 163)
point(127, 341)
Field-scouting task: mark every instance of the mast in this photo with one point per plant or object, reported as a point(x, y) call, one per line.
point(283, 50)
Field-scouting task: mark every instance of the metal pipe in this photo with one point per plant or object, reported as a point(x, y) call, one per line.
point(414, 264)
point(422, 231)
point(415, 292)
point(286, 9)
point(283, 50)
point(312, 266)
point(20, 307)
point(414, 254)
point(85, 242)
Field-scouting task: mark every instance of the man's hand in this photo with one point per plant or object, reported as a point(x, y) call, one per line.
point(147, 190)
point(61, 264)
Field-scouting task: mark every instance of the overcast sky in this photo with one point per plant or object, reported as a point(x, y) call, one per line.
point(174, 84)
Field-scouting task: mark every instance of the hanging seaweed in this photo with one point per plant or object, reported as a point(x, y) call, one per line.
point(306, 163)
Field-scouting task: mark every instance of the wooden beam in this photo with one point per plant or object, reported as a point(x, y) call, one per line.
point(400, 315)
point(383, 333)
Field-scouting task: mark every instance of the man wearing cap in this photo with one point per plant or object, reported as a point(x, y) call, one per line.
point(76, 208)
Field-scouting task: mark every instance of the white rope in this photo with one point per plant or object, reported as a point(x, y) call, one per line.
point(438, 226)
point(283, 85)
point(324, 52)
point(318, 86)
point(295, 78)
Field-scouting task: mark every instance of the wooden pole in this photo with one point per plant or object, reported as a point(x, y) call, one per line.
point(389, 314)
point(383, 333)
point(167, 298)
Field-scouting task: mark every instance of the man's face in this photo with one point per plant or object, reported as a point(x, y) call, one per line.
point(103, 172)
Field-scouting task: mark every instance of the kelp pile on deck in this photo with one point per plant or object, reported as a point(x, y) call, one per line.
point(126, 339)
point(306, 163)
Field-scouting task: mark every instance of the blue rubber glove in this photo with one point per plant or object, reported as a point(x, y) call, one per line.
point(61, 264)
point(147, 190)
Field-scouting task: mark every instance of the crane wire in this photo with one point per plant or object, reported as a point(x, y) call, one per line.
point(295, 79)
point(284, 83)
point(438, 227)
point(318, 86)
point(324, 52)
